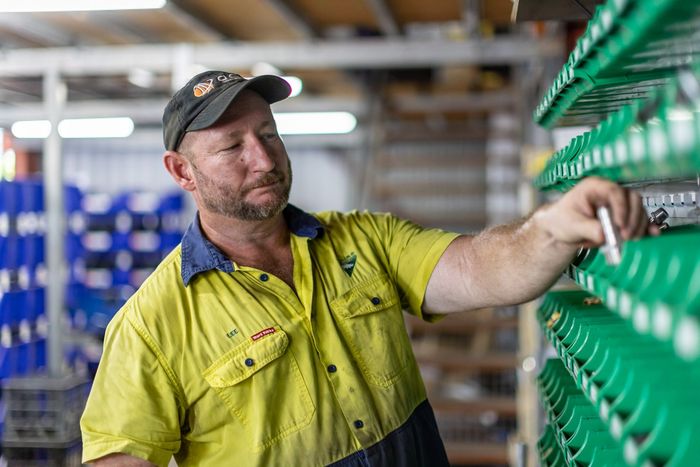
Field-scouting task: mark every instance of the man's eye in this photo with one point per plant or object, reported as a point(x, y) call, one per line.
point(231, 148)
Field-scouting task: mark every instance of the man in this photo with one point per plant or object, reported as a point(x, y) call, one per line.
point(274, 337)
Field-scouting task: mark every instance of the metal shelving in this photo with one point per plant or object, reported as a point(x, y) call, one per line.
point(624, 388)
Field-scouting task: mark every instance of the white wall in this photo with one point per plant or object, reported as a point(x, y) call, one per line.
point(322, 180)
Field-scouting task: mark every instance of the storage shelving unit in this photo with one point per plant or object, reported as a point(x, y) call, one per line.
point(623, 390)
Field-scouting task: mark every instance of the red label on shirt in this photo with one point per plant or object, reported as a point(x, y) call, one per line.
point(262, 333)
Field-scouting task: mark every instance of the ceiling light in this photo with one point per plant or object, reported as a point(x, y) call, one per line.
point(315, 123)
point(31, 129)
point(295, 83)
point(13, 6)
point(141, 78)
point(119, 127)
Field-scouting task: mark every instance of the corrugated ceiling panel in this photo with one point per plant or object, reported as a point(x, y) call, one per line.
point(336, 12)
point(412, 11)
point(242, 19)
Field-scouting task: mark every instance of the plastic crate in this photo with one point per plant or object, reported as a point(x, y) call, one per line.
point(43, 412)
point(43, 457)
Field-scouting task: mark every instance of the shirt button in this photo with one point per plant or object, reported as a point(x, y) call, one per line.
point(249, 362)
point(264, 277)
point(376, 301)
point(358, 424)
point(332, 368)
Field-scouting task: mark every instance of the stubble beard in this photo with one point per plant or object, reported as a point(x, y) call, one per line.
point(222, 199)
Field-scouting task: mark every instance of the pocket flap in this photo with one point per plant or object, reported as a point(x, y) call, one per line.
point(373, 295)
point(246, 359)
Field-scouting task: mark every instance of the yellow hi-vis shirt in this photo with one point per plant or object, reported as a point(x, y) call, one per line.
point(218, 364)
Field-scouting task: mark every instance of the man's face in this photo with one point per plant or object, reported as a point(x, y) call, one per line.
point(240, 165)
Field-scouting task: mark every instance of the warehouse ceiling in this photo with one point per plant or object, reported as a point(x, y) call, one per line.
point(337, 47)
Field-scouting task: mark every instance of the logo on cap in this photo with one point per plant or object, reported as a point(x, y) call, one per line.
point(203, 88)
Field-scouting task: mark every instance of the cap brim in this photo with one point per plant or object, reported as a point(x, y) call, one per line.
point(271, 88)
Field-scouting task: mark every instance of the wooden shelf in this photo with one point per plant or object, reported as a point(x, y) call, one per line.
point(476, 453)
point(460, 324)
point(431, 188)
point(503, 406)
point(464, 361)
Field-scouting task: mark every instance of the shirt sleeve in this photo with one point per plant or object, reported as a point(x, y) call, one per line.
point(134, 406)
point(412, 254)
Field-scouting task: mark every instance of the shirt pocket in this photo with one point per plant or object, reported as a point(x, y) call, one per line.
point(370, 317)
point(261, 385)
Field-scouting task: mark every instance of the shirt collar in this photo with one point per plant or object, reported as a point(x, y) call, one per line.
point(199, 254)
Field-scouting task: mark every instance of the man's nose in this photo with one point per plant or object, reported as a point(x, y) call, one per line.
point(261, 159)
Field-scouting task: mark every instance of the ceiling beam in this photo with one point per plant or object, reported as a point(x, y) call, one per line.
point(35, 30)
point(197, 25)
point(473, 102)
point(150, 111)
point(299, 22)
point(471, 17)
point(385, 17)
point(356, 54)
point(116, 28)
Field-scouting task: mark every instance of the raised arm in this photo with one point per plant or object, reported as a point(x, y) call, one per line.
point(514, 263)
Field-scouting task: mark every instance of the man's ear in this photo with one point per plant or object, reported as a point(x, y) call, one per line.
point(180, 168)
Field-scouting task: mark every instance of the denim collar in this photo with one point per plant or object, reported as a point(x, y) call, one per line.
point(199, 254)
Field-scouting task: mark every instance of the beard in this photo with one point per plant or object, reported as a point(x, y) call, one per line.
point(222, 199)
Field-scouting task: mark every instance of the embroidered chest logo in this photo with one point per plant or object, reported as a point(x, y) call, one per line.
point(263, 333)
point(232, 333)
point(348, 263)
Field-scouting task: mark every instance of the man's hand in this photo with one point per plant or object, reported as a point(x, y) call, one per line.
point(572, 219)
point(516, 263)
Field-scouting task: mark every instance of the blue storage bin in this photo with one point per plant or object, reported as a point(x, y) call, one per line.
point(169, 241)
point(141, 202)
point(34, 251)
point(5, 362)
point(74, 247)
point(144, 241)
point(32, 195)
point(172, 202)
point(73, 198)
point(39, 354)
point(22, 359)
point(10, 197)
point(11, 251)
point(13, 308)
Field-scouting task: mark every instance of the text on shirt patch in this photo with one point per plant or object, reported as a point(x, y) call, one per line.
point(262, 333)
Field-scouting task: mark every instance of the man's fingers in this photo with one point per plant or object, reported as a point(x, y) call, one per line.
point(636, 218)
point(591, 231)
point(599, 192)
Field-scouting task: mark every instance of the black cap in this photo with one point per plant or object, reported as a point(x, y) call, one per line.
point(202, 101)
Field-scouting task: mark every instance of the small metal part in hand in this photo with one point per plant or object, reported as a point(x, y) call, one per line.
point(613, 241)
point(658, 217)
